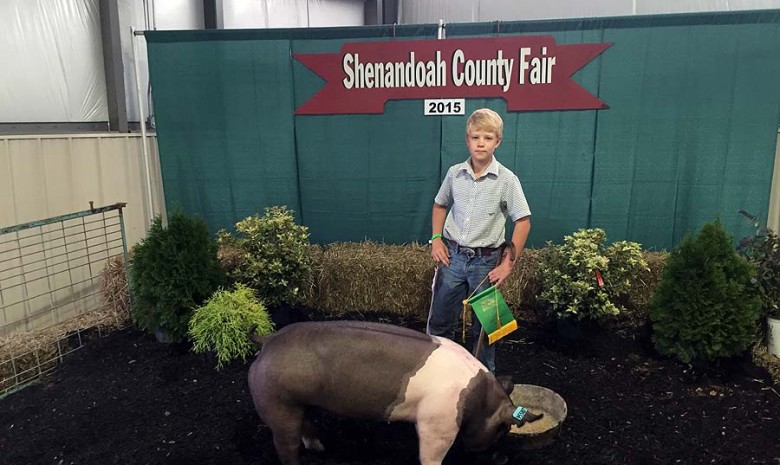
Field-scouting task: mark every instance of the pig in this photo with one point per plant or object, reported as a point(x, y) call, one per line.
point(378, 371)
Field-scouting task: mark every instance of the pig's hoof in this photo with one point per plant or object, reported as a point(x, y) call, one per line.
point(313, 444)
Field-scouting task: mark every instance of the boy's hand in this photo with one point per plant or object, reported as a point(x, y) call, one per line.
point(498, 274)
point(439, 252)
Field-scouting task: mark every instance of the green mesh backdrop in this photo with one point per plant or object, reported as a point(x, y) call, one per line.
point(690, 133)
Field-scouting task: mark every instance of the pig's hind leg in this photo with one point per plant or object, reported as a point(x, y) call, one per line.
point(286, 423)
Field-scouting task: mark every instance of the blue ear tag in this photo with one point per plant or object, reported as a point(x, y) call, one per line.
point(519, 413)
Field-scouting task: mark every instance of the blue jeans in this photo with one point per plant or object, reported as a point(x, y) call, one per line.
point(451, 285)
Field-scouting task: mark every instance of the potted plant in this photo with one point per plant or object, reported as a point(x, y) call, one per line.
point(705, 308)
point(221, 324)
point(275, 259)
point(582, 279)
point(762, 249)
point(173, 270)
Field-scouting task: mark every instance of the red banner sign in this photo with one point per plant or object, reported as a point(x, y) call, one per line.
point(530, 73)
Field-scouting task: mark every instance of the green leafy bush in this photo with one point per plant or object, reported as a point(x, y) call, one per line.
point(763, 251)
point(173, 270)
point(221, 324)
point(569, 274)
point(705, 307)
point(276, 262)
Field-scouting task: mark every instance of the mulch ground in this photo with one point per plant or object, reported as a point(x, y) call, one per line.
point(128, 399)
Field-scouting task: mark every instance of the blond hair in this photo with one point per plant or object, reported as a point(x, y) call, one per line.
point(485, 119)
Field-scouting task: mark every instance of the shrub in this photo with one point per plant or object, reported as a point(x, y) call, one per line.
point(276, 261)
point(570, 273)
point(705, 307)
point(763, 251)
point(173, 270)
point(221, 324)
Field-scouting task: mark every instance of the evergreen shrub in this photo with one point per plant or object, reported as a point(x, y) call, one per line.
point(569, 275)
point(276, 259)
point(705, 307)
point(221, 324)
point(173, 270)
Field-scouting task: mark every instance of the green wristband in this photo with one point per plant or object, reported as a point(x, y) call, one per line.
point(434, 237)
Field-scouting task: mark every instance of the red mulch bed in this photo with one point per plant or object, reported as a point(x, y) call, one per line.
point(127, 399)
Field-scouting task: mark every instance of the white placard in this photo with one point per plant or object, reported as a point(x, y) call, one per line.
point(444, 106)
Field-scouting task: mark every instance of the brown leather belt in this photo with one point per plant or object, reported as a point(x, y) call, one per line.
point(474, 251)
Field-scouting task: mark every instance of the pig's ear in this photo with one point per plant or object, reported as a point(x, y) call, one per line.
point(506, 384)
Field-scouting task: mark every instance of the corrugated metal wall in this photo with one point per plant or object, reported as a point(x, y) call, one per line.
point(42, 176)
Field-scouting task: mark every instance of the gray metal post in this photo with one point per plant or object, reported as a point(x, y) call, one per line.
point(112, 65)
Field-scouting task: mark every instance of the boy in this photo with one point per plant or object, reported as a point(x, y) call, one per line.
point(481, 193)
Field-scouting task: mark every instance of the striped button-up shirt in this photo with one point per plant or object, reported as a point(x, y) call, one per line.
point(480, 206)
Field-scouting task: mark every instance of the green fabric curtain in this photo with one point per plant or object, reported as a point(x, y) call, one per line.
point(364, 176)
point(690, 132)
point(225, 127)
point(689, 136)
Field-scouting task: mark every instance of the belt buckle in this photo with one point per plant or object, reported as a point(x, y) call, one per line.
point(468, 251)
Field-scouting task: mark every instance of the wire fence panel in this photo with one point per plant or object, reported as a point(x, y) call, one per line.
point(50, 269)
point(50, 276)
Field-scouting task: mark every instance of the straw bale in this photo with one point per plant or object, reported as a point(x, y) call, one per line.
point(115, 291)
point(637, 303)
point(643, 289)
point(311, 283)
point(230, 257)
point(372, 277)
point(24, 356)
point(522, 288)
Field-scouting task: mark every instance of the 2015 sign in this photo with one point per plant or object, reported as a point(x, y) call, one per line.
point(444, 107)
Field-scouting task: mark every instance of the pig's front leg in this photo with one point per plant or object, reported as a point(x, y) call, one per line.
point(435, 437)
point(310, 439)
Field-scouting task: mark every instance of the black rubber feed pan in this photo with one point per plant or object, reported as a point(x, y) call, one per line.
point(538, 399)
